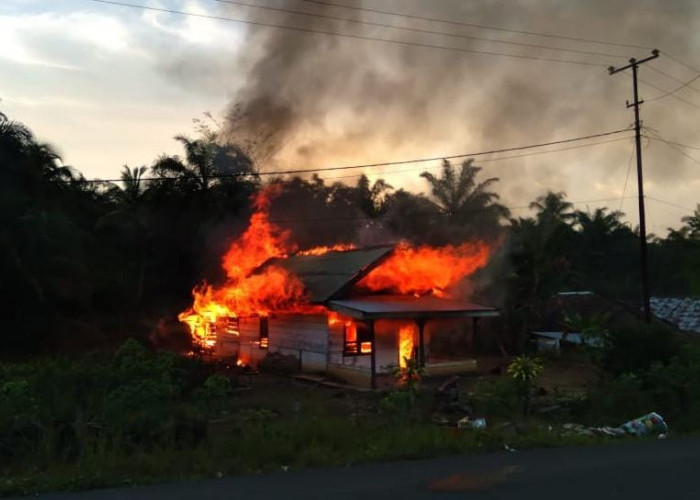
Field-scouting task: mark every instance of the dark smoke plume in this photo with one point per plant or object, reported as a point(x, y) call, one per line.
point(309, 100)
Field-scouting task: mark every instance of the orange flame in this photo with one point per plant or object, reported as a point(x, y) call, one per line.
point(323, 250)
point(252, 289)
point(418, 270)
point(244, 293)
point(405, 344)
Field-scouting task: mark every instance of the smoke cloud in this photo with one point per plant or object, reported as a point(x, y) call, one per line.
point(311, 100)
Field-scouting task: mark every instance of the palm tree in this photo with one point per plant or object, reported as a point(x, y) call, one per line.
point(465, 201)
point(206, 163)
point(554, 206)
point(600, 222)
point(371, 198)
point(129, 221)
point(692, 223)
point(134, 186)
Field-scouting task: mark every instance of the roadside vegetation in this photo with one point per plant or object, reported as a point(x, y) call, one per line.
point(88, 266)
point(138, 415)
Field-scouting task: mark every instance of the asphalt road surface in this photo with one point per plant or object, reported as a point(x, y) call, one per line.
point(661, 470)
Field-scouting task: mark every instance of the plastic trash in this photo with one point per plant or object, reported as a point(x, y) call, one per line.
point(651, 423)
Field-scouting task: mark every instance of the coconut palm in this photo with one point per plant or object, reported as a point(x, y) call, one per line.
point(130, 220)
point(206, 164)
point(371, 198)
point(692, 223)
point(465, 201)
point(554, 205)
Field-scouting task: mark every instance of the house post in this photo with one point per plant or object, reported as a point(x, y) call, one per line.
point(373, 356)
point(421, 342)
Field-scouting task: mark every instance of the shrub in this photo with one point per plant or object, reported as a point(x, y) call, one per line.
point(523, 370)
point(635, 347)
point(397, 403)
point(675, 387)
point(620, 398)
point(497, 398)
point(214, 394)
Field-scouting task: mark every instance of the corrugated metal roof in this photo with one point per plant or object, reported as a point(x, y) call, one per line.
point(684, 313)
point(409, 307)
point(328, 275)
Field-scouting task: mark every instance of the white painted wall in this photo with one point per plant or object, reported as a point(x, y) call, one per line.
point(303, 336)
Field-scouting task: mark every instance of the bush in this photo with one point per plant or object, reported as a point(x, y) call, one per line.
point(214, 394)
point(635, 347)
point(675, 387)
point(134, 400)
point(620, 399)
point(523, 370)
point(497, 398)
point(397, 403)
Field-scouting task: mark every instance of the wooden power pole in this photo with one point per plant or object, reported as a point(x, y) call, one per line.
point(634, 64)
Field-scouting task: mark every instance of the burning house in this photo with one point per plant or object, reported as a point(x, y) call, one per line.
point(354, 313)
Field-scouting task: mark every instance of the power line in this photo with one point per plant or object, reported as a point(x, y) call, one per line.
point(627, 178)
point(671, 145)
point(675, 79)
point(415, 30)
point(348, 35)
point(679, 61)
point(656, 87)
point(671, 142)
point(672, 92)
point(421, 213)
point(669, 204)
point(401, 162)
point(489, 160)
point(479, 26)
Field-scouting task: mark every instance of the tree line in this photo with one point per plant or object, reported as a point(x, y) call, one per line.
point(85, 264)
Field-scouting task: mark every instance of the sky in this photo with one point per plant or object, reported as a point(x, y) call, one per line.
point(110, 85)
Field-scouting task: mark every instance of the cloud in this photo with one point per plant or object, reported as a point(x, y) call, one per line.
point(23, 37)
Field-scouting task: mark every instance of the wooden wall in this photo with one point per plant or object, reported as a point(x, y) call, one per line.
point(303, 336)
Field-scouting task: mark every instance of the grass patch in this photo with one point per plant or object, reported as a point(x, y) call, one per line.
point(138, 417)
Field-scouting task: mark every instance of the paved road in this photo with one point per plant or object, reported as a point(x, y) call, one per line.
point(659, 470)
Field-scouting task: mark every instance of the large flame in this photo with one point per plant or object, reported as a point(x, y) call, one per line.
point(248, 293)
point(322, 250)
point(405, 344)
point(252, 289)
point(418, 270)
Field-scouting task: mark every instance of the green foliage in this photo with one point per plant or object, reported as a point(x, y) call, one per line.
point(523, 370)
point(497, 398)
point(410, 376)
point(635, 347)
point(134, 400)
point(398, 403)
point(670, 387)
point(214, 394)
point(620, 399)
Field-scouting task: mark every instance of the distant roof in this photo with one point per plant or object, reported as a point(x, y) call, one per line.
point(329, 275)
point(683, 313)
point(409, 307)
point(573, 338)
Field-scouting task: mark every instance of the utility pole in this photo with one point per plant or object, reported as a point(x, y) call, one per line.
point(634, 64)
